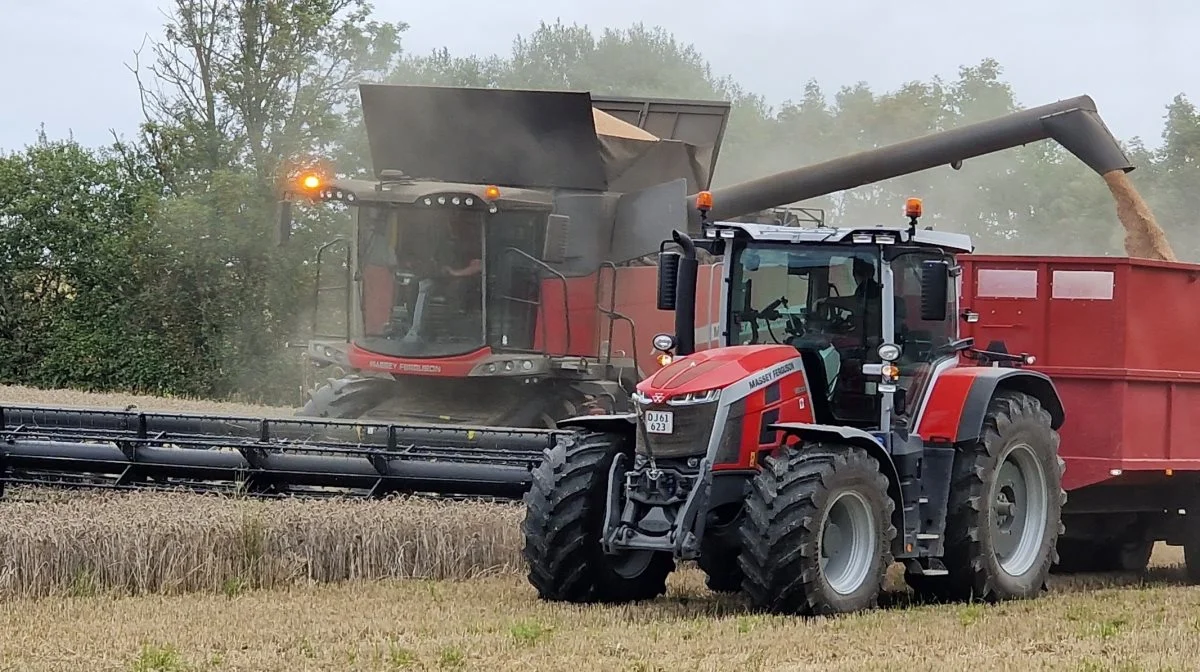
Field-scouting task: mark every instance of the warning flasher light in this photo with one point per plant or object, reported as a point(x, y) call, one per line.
point(704, 200)
point(912, 207)
point(491, 193)
point(310, 182)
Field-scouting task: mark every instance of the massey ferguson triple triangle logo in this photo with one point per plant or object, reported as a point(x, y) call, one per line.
point(658, 397)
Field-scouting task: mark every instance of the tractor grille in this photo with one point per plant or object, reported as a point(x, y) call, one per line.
point(693, 426)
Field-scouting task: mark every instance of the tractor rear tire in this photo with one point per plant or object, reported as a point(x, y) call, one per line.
point(786, 531)
point(564, 517)
point(1016, 435)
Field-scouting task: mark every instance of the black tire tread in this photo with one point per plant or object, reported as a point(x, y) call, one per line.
point(970, 577)
point(777, 533)
point(564, 512)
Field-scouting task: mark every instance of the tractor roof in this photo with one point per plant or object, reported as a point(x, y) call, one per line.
point(957, 242)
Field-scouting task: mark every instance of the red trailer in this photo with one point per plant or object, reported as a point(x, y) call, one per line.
point(1114, 335)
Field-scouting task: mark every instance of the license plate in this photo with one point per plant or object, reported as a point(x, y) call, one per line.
point(659, 422)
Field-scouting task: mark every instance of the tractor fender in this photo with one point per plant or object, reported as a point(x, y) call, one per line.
point(341, 397)
point(959, 400)
point(620, 423)
point(849, 436)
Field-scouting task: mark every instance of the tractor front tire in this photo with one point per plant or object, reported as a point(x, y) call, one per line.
point(1005, 511)
point(719, 552)
point(817, 532)
point(564, 517)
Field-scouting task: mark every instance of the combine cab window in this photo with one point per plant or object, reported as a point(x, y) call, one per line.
point(422, 281)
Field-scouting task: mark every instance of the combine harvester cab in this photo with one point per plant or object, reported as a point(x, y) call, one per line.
point(492, 277)
point(839, 431)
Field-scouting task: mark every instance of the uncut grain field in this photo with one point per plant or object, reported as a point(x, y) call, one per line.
point(141, 581)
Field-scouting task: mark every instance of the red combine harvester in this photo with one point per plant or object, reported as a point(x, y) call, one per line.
point(492, 278)
point(848, 419)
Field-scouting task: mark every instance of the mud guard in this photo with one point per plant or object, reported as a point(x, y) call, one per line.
point(959, 400)
point(619, 423)
point(860, 439)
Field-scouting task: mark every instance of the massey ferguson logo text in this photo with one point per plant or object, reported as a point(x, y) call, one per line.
point(772, 374)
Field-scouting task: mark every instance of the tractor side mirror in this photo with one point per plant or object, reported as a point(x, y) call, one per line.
point(668, 279)
point(935, 289)
point(554, 251)
point(283, 226)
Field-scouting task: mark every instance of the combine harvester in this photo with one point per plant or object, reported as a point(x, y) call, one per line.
point(848, 419)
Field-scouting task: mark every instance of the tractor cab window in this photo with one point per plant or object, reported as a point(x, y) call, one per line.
point(823, 300)
point(422, 281)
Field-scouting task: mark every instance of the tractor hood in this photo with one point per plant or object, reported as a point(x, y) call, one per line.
point(718, 368)
point(540, 139)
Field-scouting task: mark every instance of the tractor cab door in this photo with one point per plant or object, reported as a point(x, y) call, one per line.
point(923, 343)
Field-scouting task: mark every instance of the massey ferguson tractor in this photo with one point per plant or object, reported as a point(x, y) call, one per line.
point(483, 283)
point(843, 423)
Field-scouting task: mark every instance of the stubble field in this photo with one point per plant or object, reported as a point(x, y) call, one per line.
point(92, 581)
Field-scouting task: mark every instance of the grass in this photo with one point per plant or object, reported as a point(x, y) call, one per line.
point(175, 582)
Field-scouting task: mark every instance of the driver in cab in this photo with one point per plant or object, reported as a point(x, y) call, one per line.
point(869, 289)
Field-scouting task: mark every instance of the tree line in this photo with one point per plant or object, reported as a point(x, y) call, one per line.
point(148, 264)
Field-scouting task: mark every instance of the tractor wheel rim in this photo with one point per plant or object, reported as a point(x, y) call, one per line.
point(1018, 513)
point(848, 543)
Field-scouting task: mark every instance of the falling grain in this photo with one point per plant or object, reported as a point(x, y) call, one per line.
point(1144, 238)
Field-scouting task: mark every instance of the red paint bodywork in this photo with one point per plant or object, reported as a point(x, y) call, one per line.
point(724, 368)
point(1127, 368)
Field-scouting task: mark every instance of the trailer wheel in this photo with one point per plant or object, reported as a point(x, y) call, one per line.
point(564, 516)
point(1005, 509)
point(817, 534)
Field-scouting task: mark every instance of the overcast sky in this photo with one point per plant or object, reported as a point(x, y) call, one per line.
point(65, 59)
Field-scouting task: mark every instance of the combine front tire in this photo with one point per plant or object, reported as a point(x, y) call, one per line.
point(564, 517)
point(817, 534)
point(1005, 507)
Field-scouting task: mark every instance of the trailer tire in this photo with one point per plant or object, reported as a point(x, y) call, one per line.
point(1016, 424)
point(784, 533)
point(564, 517)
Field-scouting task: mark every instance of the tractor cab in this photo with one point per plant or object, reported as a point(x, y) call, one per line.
point(868, 310)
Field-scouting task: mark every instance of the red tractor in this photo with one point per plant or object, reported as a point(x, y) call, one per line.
point(843, 423)
point(492, 276)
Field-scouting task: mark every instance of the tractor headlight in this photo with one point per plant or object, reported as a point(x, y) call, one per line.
point(691, 398)
point(889, 352)
point(663, 342)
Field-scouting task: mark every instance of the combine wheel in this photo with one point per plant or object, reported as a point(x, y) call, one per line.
point(817, 533)
point(564, 516)
point(1005, 507)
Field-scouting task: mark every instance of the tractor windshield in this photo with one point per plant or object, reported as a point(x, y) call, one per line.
point(824, 300)
point(422, 281)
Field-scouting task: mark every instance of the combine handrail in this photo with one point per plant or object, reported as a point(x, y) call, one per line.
point(566, 290)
